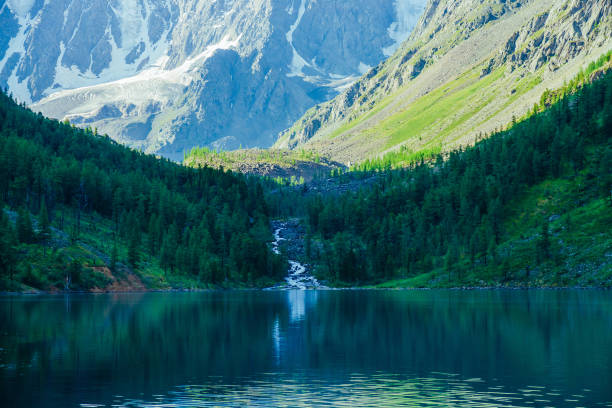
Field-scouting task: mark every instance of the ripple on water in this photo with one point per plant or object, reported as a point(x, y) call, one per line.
point(277, 390)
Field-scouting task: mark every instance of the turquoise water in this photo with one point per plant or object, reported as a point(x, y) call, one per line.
point(537, 348)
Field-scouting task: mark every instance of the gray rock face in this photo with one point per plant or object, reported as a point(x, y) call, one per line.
point(557, 36)
point(166, 75)
point(545, 41)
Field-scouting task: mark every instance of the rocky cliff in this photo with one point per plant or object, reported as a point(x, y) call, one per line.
point(468, 67)
point(165, 75)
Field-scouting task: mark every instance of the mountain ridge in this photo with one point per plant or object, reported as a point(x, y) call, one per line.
point(402, 101)
point(167, 75)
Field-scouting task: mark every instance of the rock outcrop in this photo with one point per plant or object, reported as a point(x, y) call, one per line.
point(165, 75)
point(527, 45)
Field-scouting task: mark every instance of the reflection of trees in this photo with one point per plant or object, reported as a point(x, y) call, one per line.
point(151, 343)
point(538, 334)
point(134, 342)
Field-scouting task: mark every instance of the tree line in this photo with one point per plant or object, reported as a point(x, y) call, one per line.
point(449, 211)
point(204, 222)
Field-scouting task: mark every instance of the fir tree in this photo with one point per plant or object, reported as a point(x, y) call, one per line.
point(114, 257)
point(134, 250)
point(25, 231)
point(45, 228)
point(543, 243)
point(8, 255)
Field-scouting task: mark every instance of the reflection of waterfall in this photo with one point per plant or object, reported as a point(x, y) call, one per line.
point(284, 336)
point(298, 277)
point(276, 336)
point(297, 304)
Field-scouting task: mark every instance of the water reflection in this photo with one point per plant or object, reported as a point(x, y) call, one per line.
point(379, 389)
point(298, 301)
point(537, 348)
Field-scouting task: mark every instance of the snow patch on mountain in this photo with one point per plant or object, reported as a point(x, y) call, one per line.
point(16, 45)
point(141, 70)
point(298, 62)
point(155, 84)
point(134, 33)
point(20, 7)
point(408, 14)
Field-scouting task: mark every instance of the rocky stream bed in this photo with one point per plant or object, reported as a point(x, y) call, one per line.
point(290, 235)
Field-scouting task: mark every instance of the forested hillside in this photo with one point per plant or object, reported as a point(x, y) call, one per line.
point(531, 205)
point(80, 211)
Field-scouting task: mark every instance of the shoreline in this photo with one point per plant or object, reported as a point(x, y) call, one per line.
point(476, 288)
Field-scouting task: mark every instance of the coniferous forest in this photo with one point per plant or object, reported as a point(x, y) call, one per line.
point(305, 203)
point(76, 200)
point(81, 211)
point(451, 214)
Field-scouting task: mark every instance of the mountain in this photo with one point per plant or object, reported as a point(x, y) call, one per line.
point(468, 67)
point(529, 206)
point(166, 75)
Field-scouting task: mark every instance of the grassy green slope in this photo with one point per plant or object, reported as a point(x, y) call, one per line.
point(581, 241)
point(540, 212)
point(87, 260)
point(475, 78)
point(293, 166)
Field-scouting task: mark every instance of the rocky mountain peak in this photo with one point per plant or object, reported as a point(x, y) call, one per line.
point(165, 75)
point(506, 52)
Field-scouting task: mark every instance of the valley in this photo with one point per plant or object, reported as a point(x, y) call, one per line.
point(455, 160)
point(272, 203)
point(538, 223)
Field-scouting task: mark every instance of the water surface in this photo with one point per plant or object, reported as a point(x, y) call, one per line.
point(306, 348)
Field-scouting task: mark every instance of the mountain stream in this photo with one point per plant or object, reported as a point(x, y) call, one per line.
point(298, 276)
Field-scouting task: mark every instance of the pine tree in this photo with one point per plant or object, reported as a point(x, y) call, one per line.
point(169, 248)
point(8, 256)
point(308, 245)
point(114, 257)
point(133, 250)
point(505, 267)
point(73, 274)
point(492, 251)
point(543, 244)
point(152, 237)
point(450, 259)
point(45, 228)
point(25, 231)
